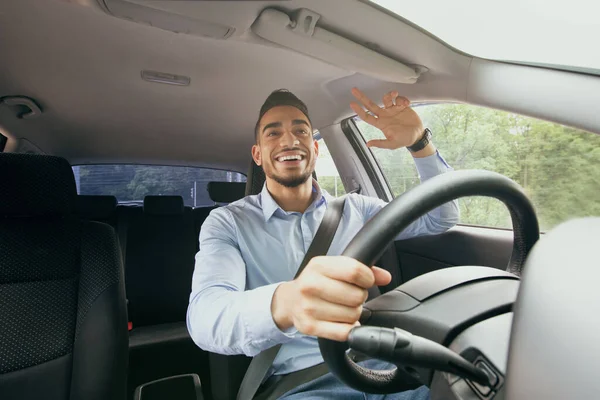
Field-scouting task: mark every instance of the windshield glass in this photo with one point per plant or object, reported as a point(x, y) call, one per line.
point(551, 32)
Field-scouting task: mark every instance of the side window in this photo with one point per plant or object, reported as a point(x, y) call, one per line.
point(327, 173)
point(556, 165)
point(131, 183)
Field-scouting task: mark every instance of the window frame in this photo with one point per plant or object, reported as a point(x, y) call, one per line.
point(367, 159)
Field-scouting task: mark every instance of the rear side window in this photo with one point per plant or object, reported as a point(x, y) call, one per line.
point(131, 183)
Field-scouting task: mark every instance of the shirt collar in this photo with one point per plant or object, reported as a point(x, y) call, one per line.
point(270, 206)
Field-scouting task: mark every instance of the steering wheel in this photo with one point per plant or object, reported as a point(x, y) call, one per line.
point(412, 305)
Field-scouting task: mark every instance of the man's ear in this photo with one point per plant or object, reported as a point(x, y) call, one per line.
point(256, 155)
point(316, 146)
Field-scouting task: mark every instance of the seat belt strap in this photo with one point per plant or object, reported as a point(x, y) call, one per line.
point(260, 365)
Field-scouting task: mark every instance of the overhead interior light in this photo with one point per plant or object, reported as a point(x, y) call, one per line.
point(162, 77)
point(304, 36)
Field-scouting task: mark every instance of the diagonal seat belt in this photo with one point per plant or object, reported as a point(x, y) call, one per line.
point(320, 244)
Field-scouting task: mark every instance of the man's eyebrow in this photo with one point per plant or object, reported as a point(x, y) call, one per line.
point(272, 125)
point(300, 122)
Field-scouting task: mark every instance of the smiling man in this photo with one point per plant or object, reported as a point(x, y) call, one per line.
point(244, 296)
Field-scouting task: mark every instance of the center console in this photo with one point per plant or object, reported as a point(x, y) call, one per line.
point(180, 387)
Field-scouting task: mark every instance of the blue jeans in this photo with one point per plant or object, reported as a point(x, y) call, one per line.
point(328, 387)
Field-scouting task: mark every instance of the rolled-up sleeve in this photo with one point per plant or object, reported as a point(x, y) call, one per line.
point(222, 317)
point(437, 220)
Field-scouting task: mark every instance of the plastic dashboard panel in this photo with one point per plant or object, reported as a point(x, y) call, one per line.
point(452, 308)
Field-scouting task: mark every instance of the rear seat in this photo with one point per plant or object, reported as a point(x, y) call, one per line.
point(98, 208)
point(159, 261)
point(160, 241)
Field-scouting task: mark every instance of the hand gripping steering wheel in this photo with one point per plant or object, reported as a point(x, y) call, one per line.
point(371, 241)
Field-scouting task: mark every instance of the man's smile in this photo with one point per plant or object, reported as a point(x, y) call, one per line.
point(290, 157)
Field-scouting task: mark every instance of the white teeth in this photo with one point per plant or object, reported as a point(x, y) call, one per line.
point(296, 157)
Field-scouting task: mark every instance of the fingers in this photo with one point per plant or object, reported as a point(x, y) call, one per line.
point(329, 294)
point(321, 310)
point(325, 329)
point(366, 102)
point(381, 143)
point(401, 101)
point(388, 99)
point(382, 277)
point(345, 269)
point(335, 291)
point(369, 119)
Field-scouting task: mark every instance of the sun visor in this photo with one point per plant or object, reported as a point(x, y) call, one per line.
point(301, 33)
point(146, 14)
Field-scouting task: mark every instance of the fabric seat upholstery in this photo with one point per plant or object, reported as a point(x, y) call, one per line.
point(160, 247)
point(63, 325)
point(98, 208)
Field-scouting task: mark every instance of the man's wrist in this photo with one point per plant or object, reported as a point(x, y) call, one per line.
point(279, 311)
point(427, 151)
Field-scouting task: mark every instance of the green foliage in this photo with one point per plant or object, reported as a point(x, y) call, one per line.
point(557, 166)
point(328, 183)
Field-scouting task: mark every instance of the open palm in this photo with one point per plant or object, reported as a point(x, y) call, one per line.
point(400, 124)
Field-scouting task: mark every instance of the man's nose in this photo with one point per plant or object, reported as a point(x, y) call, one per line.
point(288, 139)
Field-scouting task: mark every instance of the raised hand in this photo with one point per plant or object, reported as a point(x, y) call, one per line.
point(400, 124)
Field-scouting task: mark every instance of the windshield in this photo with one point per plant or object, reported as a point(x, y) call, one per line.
point(550, 32)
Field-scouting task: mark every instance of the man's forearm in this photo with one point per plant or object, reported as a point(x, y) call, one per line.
point(234, 322)
point(429, 164)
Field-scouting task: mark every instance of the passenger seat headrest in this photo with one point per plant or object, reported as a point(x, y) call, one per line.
point(255, 180)
point(96, 207)
point(36, 185)
point(226, 192)
point(163, 205)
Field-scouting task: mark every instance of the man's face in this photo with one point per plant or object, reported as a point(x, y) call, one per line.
point(285, 147)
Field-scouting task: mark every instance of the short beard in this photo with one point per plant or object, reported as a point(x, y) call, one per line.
point(292, 182)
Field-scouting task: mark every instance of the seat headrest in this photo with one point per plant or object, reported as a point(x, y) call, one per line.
point(36, 185)
point(163, 205)
point(96, 207)
point(226, 192)
point(255, 179)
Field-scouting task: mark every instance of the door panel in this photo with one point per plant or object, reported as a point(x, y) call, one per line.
point(462, 245)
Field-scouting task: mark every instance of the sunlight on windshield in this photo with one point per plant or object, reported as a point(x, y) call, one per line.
point(533, 31)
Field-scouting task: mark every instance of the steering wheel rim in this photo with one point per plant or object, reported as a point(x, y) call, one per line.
point(370, 243)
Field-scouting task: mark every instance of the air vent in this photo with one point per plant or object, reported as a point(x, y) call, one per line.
point(147, 15)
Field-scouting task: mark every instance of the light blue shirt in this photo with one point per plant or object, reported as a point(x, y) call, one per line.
point(250, 246)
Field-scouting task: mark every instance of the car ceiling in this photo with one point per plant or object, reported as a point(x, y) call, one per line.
point(83, 67)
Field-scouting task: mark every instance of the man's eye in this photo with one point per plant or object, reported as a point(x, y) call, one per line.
point(302, 132)
point(272, 133)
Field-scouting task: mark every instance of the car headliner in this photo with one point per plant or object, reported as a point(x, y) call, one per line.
point(83, 67)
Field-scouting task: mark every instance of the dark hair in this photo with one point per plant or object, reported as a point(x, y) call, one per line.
point(280, 97)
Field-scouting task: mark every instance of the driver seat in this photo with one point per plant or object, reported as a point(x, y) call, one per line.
point(63, 322)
